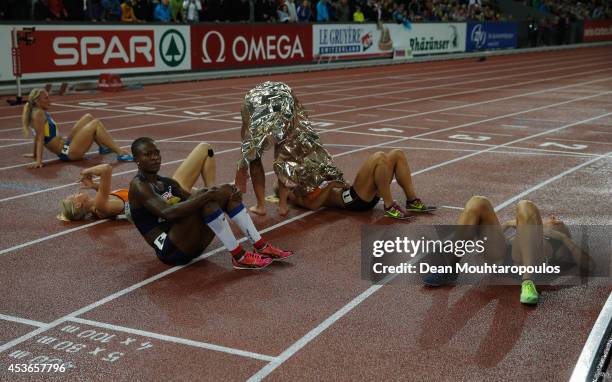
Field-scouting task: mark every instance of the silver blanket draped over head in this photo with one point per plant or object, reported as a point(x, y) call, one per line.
point(276, 118)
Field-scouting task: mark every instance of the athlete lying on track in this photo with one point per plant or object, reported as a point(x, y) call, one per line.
point(107, 204)
point(180, 225)
point(372, 182)
point(38, 125)
point(527, 240)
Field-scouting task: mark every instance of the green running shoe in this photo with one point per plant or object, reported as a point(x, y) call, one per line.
point(529, 294)
point(417, 205)
point(396, 212)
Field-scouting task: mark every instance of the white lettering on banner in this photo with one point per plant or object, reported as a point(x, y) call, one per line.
point(467, 137)
point(479, 36)
point(95, 45)
point(574, 146)
point(265, 48)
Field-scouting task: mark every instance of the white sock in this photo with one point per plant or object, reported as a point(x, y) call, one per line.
point(240, 216)
point(220, 226)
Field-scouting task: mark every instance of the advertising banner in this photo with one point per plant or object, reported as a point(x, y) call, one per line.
point(217, 46)
point(70, 51)
point(597, 30)
point(351, 41)
point(487, 36)
point(425, 39)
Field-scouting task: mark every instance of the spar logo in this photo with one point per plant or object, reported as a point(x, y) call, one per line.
point(172, 48)
point(478, 36)
point(219, 49)
point(101, 49)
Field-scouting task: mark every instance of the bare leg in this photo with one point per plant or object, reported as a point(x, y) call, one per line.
point(258, 177)
point(198, 163)
point(374, 178)
point(399, 167)
point(93, 131)
point(80, 125)
point(479, 215)
point(528, 244)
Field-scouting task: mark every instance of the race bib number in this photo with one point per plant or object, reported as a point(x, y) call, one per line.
point(159, 241)
point(65, 149)
point(346, 196)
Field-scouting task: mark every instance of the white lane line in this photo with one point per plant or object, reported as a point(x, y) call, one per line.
point(398, 109)
point(466, 115)
point(580, 140)
point(436, 120)
point(586, 362)
point(316, 331)
point(176, 340)
point(368, 115)
point(452, 208)
point(405, 127)
point(20, 320)
point(485, 133)
point(515, 126)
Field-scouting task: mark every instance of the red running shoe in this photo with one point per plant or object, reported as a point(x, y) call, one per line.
point(274, 253)
point(251, 260)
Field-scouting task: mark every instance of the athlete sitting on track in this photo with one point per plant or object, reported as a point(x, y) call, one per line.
point(107, 204)
point(38, 125)
point(527, 240)
point(180, 225)
point(373, 181)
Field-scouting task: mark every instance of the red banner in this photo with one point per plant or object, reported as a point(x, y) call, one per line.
point(231, 46)
point(71, 50)
point(597, 30)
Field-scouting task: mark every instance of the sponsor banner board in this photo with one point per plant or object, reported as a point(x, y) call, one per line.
point(486, 36)
point(72, 51)
point(351, 41)
point(425, 39)
point(215, 46)
point(597, 30)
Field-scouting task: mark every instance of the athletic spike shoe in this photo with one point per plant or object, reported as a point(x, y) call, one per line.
point(417, 205)
point(251, 260)
point(396, 212)
point(104, 150)
point(273, 252)
point(439, 279)
point(529, 294)
point(125, 158)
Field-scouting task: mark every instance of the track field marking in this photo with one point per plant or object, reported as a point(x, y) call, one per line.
point(20, 320)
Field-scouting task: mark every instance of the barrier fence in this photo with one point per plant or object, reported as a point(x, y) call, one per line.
point(70, 51)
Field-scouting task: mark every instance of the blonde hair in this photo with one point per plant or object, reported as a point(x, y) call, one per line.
point(26, 116)
point(69, 211)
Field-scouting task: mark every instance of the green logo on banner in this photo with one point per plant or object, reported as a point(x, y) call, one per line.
point(172, 48)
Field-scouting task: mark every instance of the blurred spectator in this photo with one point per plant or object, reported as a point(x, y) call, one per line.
point(127, 12)
point(241, 11)
point(304, 13)
point(94, 11)
point(74, 8)
point(176, 9)
point(143, 10)
point(162, 12)
point(292, 11)
point(41, 10)
point(283, 14)
point(533, 32)
point(57, 10)
point(343, 11)
point(322, 11)
point(111, 10)
point(265, 10)
point(192, 10)
point(358, 15)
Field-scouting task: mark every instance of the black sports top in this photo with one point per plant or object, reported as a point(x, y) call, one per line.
point(144, 220)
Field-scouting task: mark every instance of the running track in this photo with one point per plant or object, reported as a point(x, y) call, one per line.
point(536, 126)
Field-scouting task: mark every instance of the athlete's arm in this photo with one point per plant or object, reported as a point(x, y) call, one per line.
point(580, 256)
point(38, 122)
point(144, 194)
point(103, 189)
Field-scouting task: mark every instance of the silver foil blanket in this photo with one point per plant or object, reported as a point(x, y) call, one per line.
point(275, 118)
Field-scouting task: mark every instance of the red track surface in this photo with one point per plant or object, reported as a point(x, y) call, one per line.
point(93, 295)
